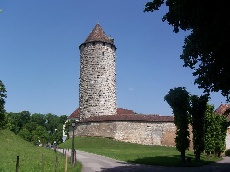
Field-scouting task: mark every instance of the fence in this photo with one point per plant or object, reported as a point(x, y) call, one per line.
point(56, 162)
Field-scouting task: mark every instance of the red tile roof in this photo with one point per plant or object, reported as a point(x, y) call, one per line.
point(124, 115)
point(124, 111)
point(130, 117)
point(97, 34)
point(222, 108)
point(75, 114)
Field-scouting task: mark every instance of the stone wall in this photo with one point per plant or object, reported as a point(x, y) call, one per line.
point(228, 138)
point(146, 133)
point(97, 79)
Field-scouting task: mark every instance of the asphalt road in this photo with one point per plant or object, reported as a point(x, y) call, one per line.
point(97, 163)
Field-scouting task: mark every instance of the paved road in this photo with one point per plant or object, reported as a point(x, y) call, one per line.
point(97, 163)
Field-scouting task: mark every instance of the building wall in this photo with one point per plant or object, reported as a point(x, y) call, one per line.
point(146, 133)
point(96, 129)
point(97, 80)
point(228, 138)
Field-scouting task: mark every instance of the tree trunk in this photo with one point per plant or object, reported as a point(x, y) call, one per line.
point(183, 155)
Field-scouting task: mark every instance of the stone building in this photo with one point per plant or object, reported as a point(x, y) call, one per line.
point(127, 126)
point(98, 113)
point(97, 89)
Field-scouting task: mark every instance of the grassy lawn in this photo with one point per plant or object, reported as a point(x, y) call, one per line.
point(30, 156)
point(134, 153)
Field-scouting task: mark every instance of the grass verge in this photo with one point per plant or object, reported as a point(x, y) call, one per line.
point(135, 153)
point(30, 156)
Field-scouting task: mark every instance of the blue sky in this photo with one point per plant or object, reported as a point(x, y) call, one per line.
point(39, 54)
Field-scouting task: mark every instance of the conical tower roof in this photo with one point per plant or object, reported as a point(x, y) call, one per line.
point(97, 34)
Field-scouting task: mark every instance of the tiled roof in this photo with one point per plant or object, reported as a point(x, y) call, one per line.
point(97, 34)
point(124, 111)
point(75, 114)
point(130, 117)
point(124, 115)
point(222, 108)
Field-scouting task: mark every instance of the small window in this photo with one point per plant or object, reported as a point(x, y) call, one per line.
point(103, 53)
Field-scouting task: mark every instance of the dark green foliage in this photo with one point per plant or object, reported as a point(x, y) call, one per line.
point(25, 134)
point(227, 152)
point(44, 127)
point(178, 99)
point(221, 129)
point(2, 103)
point(197, 112)
point(206, 49)
point(215, 131)
point(38, 118)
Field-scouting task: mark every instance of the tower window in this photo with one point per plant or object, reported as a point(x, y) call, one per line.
point(103, 53)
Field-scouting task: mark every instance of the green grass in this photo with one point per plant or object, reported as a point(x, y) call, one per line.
point(30, 156)
point(134, 153)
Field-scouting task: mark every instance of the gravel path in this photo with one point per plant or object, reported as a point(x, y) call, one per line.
point(97, 163)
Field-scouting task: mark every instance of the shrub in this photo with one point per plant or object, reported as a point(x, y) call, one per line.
point(227, 152)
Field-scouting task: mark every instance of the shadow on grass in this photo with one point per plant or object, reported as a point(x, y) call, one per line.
point(192, 166)
point(171, 161)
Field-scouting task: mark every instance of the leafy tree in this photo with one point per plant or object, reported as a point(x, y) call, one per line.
point(24, 118)
point(47, 128)
point(2, 103)
point(25, 134)
point(206, 49)
point(220, 134)
point(62, 119)
point(197, 112)
point(39, 119)
point(215, 131)
point(178, 99)
point(30, 126)
point(40, 134)
point(52, 122)
point(12, 122)
point(16, 121)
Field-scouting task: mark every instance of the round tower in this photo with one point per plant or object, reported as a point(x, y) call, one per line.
point(97, 89)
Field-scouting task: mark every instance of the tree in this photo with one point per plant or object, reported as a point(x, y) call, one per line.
point(197, 112)
point(24, 118)
point(12, 122)
point(39, 119)
point(215, 131)
point(178, 99)
point(221, 129)
point(2, 103)
point(25, 134)
point(206, 49)
point(40, 135)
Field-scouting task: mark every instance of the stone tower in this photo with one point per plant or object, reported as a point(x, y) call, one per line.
point(97, 89)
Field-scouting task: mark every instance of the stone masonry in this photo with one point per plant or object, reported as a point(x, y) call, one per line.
point(129, 127)
point(99, 116)
point(97, 94)
point(145, 133)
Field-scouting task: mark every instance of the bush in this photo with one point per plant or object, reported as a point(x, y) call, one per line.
point(227, 152)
